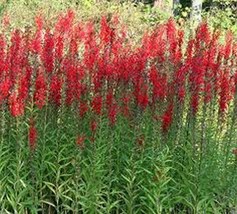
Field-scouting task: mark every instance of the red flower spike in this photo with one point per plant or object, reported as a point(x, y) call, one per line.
point(5, 86)
point(16, 105)
point(55, 90)
point(71, 81)
point(93, 126)
point(159, 84)
point(59, 47)
point(125, 106)
point(23, 87)
point(47, 55)
point(140, 141)
point(109, 99)
point(15, 54)
point(225, 91)
point(202, 34)
point(96, 104)
point(80, 141)
point(172, 40)
point(194, 103)
point(228, 46)
point(167, 119)
point(73, 48)
point(65, 22)
point(105, 31)
point(112, 114)
point(2, 53)
point(83, 108)
point(40, 93)
point(91, 48)
point(36, 42)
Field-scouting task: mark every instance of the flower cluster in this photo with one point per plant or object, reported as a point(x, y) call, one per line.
point(100, 71)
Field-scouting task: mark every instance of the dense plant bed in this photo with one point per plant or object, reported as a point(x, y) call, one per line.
point(92, 123)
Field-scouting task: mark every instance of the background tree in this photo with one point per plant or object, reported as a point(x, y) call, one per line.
point(196, 10)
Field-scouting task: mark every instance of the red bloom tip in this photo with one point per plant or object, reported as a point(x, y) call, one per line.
point(140, 140)
point(80, 141)
point(32, 136)
point(16, 105)
point(83, 108)
point(93, 126)
point(40, 93)
point(167, 119)
point(96, 104)
point(112, 114)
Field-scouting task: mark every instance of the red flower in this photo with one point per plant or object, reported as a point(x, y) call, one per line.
point(112, 114)
point(40, 93)
point(73, 47)
point(172, 40)
point(125, 106)
point(167, 119)
point(194, 103)
point(32, 136)
point(143, 99)
point(23, 87)
point(91, 49)
point(59, 46)
point(202, 34)
point(140, 140)
point(15, 54)
point(141, 93)
point(16, 105)
point(36, 43)
point(159, 84)
point(93, 126)
point(189, 52)
point(47, 55)
point(109, 99)
point(80, 141)
point(228, 46)
point(65, 22)
point(83, 108)
point(5, 86)
point(55, 90)
point(71, 81)
point(2, 53)
point(225, 94)
point(106, 32)
point(96, 104)
point(208, 92)
point(196, 81)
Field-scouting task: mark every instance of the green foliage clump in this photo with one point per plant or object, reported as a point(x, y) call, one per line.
point(136, 16)
point(223, 15)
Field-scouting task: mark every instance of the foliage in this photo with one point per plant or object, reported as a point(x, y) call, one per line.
point(22, 12)
point(222, 14)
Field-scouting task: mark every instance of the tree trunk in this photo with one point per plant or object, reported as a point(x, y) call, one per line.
point(175, 5)
point(196, 11)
